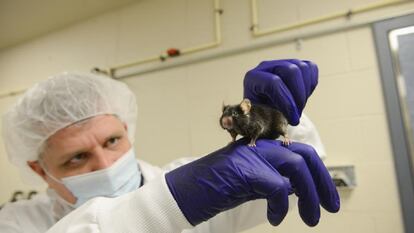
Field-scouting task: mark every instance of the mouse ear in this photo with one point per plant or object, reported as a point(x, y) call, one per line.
point(223, 107)
point(246, 106)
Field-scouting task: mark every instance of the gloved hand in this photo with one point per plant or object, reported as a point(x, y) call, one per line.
point(238, 173)
point(283, 84)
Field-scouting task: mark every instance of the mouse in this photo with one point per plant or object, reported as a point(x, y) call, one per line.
point(254, 121)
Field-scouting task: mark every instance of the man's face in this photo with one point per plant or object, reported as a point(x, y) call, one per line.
point(85, 147)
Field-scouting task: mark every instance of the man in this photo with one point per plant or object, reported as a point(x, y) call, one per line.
point(75, 131)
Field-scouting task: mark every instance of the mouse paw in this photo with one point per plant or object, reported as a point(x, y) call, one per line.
point(286, 141)
point(252, 143)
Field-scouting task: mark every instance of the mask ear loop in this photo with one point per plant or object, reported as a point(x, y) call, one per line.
point(52, 192)
point(60, 205)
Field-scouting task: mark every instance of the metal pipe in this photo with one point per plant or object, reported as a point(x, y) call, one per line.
point(217, 20)
point(378, 6)
point(217, 41)
point(150, 59)
point(255, 25)
point(217, 11)
point(255, 20)
point(345, 14)
point(253, 46)
point(258, 45)
point(12, 93)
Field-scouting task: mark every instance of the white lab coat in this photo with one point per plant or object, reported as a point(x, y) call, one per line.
point(151, 208)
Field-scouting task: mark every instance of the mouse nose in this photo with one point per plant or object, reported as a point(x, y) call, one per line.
point(227, 122)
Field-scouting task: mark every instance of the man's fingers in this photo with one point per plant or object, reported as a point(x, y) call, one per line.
point(271, 92)
point(326, 189)
point(291, 73)
point(301, 178)
point(275, 189)
point(277, 207)
point(314, 75)
point(306, 75)
point(294, 167)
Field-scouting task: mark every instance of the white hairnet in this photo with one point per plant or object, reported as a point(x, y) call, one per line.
point(58, 102)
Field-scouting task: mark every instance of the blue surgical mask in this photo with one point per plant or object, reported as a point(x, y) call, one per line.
point(120, 178)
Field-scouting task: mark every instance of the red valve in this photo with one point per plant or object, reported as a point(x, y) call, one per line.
point(173, 52)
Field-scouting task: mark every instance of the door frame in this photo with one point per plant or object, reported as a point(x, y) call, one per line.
point(399, 137)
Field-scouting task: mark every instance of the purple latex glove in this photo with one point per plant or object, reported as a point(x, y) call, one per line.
point(283, 84)
point(238, 173)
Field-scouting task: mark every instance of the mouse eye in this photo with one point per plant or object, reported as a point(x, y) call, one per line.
point(234, 114)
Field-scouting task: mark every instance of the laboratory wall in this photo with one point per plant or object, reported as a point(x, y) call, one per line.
point(178, 108)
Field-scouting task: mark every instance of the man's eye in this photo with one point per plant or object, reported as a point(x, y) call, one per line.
point(112, 141)
point(79, 158)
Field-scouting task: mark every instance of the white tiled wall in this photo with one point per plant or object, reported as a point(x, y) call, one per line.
point(179, 108)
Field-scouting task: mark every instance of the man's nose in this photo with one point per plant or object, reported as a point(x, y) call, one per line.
point(101, 160)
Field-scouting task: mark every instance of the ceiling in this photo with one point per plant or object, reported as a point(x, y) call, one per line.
point(22, 20)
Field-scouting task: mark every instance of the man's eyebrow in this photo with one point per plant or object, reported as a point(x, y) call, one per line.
point(69, 155)
point(112, 135)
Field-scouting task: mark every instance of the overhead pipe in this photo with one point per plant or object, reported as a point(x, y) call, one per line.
point(252, 47)
point(111, 71)
point(256, 32)
point(12, 93)
point(260, 45)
